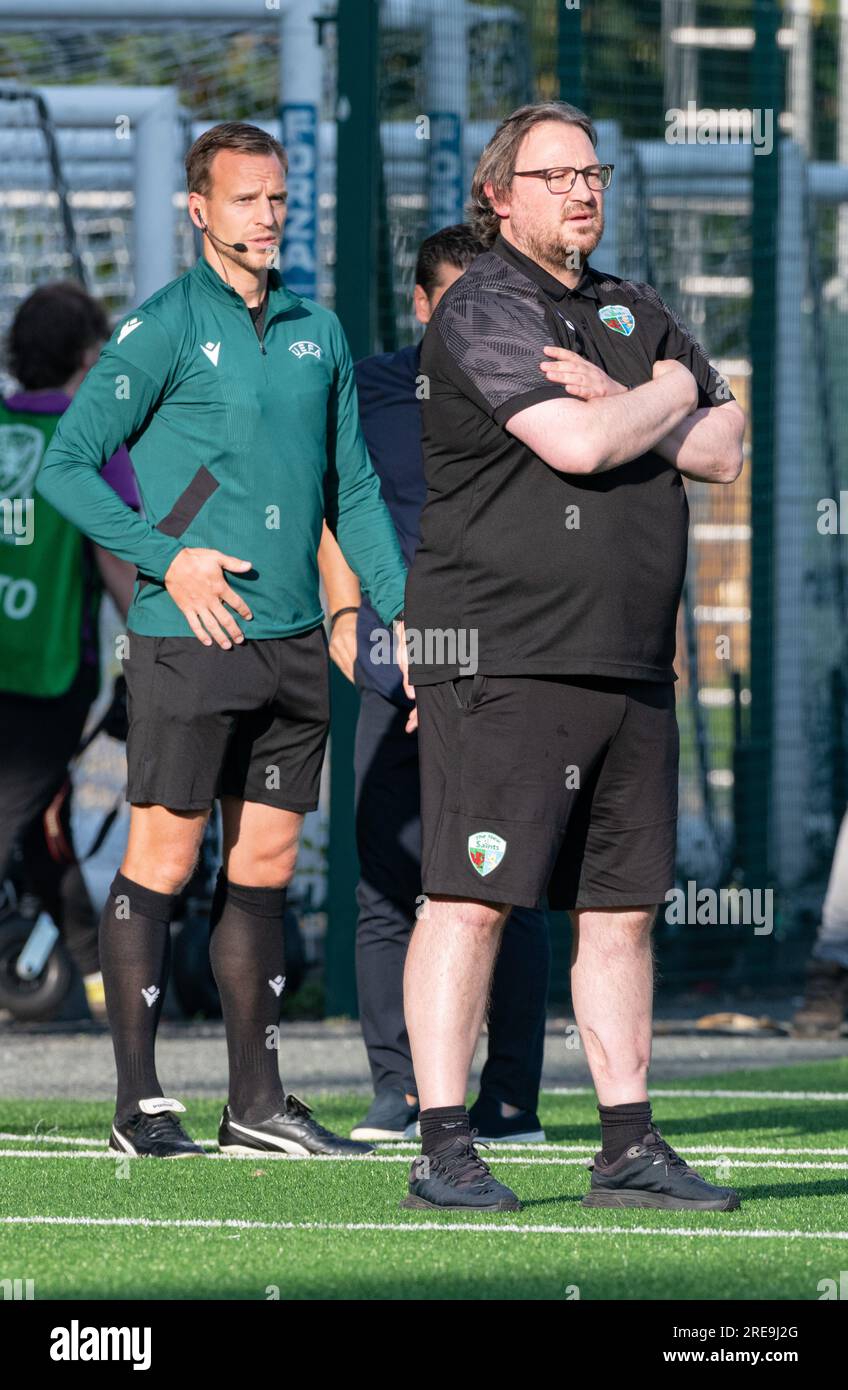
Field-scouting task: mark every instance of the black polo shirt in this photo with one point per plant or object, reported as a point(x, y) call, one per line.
point(556, 573)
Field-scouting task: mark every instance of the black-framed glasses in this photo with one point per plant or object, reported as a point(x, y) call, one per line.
point(597, 176)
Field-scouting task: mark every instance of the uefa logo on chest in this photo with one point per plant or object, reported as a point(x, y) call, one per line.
point(305, 348)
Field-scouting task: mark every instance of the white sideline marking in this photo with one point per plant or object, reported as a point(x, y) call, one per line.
point(591, 1150)
point(710, 1095)
point(215, 1224)
point(410, 1145)
point(48, 1138)
point(518, 1160)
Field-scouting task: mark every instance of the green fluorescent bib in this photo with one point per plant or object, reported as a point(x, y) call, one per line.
point(41, 582)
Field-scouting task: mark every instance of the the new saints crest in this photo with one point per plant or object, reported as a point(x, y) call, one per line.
point(618, 318)
point(485, 850)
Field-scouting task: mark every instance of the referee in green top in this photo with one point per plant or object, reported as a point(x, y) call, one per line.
point(237, 401)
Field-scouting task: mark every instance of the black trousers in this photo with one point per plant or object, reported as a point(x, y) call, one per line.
point(38, 738)
point(388, 837)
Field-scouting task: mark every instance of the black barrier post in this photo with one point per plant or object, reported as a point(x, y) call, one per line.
point(570, 53)
point(357, 165)
point(767, 96)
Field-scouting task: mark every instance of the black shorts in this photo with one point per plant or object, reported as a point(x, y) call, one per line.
point(557, 785)
point(204, 722)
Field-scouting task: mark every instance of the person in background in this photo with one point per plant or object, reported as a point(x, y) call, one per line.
point(388, 826)
point(51, 582)
point(822, 1012)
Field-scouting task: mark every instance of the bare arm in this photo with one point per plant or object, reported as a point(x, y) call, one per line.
point(707, 445)
point(595, 435)
point(343, 591)
point(341, 583)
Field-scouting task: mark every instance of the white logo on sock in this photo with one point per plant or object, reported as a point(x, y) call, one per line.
point(151, 994)
point(277, 984)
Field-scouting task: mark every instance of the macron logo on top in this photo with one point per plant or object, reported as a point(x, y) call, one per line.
point(129, 327)
point(212, 350)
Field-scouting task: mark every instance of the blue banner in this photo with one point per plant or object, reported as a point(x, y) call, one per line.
point(299, 253)
point(444, 170)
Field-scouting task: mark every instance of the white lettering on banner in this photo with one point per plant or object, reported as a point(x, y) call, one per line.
point(300, 240)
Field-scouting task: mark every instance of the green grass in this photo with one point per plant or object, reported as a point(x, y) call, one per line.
point(611, 1254)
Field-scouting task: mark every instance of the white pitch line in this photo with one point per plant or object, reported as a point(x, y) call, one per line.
point(515, 1160)
point(588, 1150)
point(216, 1224)
point(711, 1095)
point(49, 1138)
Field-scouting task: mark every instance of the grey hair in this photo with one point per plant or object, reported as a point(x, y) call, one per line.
point(497, 162)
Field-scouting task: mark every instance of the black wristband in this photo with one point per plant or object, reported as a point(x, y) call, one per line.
point(338, 613)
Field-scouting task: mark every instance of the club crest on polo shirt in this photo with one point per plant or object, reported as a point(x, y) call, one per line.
point(485, 850)
point(618, 318)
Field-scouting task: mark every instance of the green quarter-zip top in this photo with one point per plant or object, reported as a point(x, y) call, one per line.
point(240, 443)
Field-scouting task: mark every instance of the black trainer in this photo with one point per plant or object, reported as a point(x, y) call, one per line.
point(291, 1131)
point(457, 1179)
point(651, 1174)
point(495, 1128)
point(389, 1117)
point(154, 1132)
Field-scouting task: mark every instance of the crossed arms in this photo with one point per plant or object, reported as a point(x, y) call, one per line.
point(601, 424)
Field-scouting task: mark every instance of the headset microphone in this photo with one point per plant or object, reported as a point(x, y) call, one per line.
point(233, 245)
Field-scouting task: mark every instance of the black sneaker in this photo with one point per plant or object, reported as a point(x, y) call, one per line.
point(495, 1128)
point(651, 1174)
point(457, 1179)
point(154, 1132)
point(291, 1131)
point(389, 1117)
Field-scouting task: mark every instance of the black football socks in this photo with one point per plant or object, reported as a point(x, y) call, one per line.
point(135, 949)
point(623, 1125)
point(246, 952)
point(441, 1125)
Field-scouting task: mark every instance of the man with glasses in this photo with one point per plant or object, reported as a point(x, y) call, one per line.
point(563, 408)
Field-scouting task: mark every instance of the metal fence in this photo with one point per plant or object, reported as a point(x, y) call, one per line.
point(728, 125)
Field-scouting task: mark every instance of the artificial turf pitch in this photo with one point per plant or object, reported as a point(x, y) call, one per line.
point(88, 1227)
